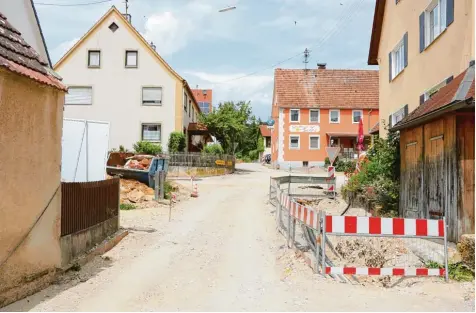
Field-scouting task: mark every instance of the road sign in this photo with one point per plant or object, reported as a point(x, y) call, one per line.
point(332, 153)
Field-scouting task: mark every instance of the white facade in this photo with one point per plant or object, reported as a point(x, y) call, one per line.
point(21, 14)
point(117, 90)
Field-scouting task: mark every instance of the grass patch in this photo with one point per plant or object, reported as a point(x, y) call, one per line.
point(127, 206)
point(457, 271)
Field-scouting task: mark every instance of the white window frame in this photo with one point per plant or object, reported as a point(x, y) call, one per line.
point(361, 114)
point(318, 142)
point(290, 115)
point(89, 58)
point(434, 89)
point(299, 142)
point(399, 113)
point(137, 59)
point(338, 116)
point(152, 87)
point(150, 124)
point(441, 5)
point(79, 87)
point(398, 59)
point(318, 117)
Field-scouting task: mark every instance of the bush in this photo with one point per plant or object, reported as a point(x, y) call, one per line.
point(327, 162)
point(176, 142)
point(147, 147)
point(214, 149)
point(122, 149)
point(127, 206)
point(345, 166)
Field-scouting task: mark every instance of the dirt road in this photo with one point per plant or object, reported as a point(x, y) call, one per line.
point(221, 252)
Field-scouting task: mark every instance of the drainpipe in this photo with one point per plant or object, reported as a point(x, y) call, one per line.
point(371, 137)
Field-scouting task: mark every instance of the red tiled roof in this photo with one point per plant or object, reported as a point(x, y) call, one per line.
point(197, 127)
point(265, 131)
point(443, 97)
point(18, 56)
point(375, 129)
point(326, 88)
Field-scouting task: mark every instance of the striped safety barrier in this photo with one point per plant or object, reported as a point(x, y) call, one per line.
point(356, 225)
point(385, 271)
point(331, 174)
point(302, 213)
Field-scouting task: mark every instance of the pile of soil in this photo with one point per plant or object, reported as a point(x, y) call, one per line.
point(133, 191)
point(139, 162)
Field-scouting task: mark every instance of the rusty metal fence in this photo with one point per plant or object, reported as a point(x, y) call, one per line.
point(86, 204)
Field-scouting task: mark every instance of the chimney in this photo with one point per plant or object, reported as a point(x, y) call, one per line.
point(128, 17)
point(321, 66)
point(153, 46)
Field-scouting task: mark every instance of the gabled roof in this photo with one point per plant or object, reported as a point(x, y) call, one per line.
point(18, 56)
point(459, 93)
point(376, 31)
point(326, 88)
point(265, 131)
point(375, 130)
point(41, 34)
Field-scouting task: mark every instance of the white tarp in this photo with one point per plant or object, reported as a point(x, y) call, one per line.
point(85, 147)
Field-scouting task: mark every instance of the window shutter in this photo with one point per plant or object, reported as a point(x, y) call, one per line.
point(405, 110)
point(405, 50)
point(450, 12)
point(449, 79)
point(422, 99)
point(422, 32)
point(390, 120)
point(79, 95)
point(390, 67)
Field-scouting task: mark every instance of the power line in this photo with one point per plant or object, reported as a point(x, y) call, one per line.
point(72, 4)
point(334, 30)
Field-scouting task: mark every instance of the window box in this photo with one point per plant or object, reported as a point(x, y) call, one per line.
point(152, 96)
point(79, 96)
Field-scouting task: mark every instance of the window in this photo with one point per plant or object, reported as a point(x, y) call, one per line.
point(113, 27)
point(314, 142)
point(397, 61)
point(435, 20)
point(430, 92)
point(334, 116)
point(151, 132)
point(193, 115)
point(398, 116)
point(189, 108)
point(79, 96)
point(294, 142)
point(268, 142)
point(294, 115)
point(131, 59)
point(204, 107)
point(357, 115)
point(151, 95)
point(94, 58)
point(185, 101)
point(305, 163)
point(314, 116)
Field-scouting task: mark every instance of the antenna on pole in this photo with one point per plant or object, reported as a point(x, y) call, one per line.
point(127, 6)
point(307, 52)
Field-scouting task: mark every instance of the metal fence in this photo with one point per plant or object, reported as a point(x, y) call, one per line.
point(86, 204)
point(359, 245)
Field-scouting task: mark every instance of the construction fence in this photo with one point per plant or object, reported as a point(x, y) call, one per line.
point(199, 164)
point(348, 246)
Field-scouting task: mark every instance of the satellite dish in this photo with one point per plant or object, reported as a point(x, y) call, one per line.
point(270, 122)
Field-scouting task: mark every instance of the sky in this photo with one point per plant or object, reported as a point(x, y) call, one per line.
point(234, 52)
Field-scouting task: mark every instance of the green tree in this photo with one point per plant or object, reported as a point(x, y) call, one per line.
point(176, 142)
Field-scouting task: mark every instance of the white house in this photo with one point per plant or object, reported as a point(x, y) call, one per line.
point(115, 75)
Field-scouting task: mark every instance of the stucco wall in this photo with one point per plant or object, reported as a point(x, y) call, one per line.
point(448, 55)
point(30, 160)
point(117, 91)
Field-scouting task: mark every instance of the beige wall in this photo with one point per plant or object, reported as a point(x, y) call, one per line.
point(448, 55)
point(30, 158)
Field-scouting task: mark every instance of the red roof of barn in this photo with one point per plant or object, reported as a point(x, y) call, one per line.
point(326, 88)
point(265, 131)
point(460, 89)
point(18, 56)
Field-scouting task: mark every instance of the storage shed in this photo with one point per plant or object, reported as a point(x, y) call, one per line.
point(437, 157)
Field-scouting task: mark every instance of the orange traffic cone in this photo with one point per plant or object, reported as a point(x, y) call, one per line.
point(195, 191)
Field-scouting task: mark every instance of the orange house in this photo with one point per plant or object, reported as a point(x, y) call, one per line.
point(204, 99)
point(316, 108)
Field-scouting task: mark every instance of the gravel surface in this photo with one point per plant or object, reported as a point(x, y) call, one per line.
point(221, 252)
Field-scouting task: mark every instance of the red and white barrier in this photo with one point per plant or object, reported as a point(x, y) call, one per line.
point(384, 226)
point(304, 214)
point(385, 271)
point(331, 174)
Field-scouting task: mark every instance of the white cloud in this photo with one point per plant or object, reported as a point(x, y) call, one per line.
point(230, 87)
point(58, 52)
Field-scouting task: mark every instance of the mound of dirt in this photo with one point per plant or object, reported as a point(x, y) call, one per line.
point(133, 191)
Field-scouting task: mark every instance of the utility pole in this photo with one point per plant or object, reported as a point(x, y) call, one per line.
point(127, 6)
point(307, 52)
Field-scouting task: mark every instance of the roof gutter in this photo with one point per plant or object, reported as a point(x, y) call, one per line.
point(41, 33)
point(376, 32)
point(453, 106)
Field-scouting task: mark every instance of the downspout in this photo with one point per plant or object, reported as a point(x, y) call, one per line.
point(371, 136)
